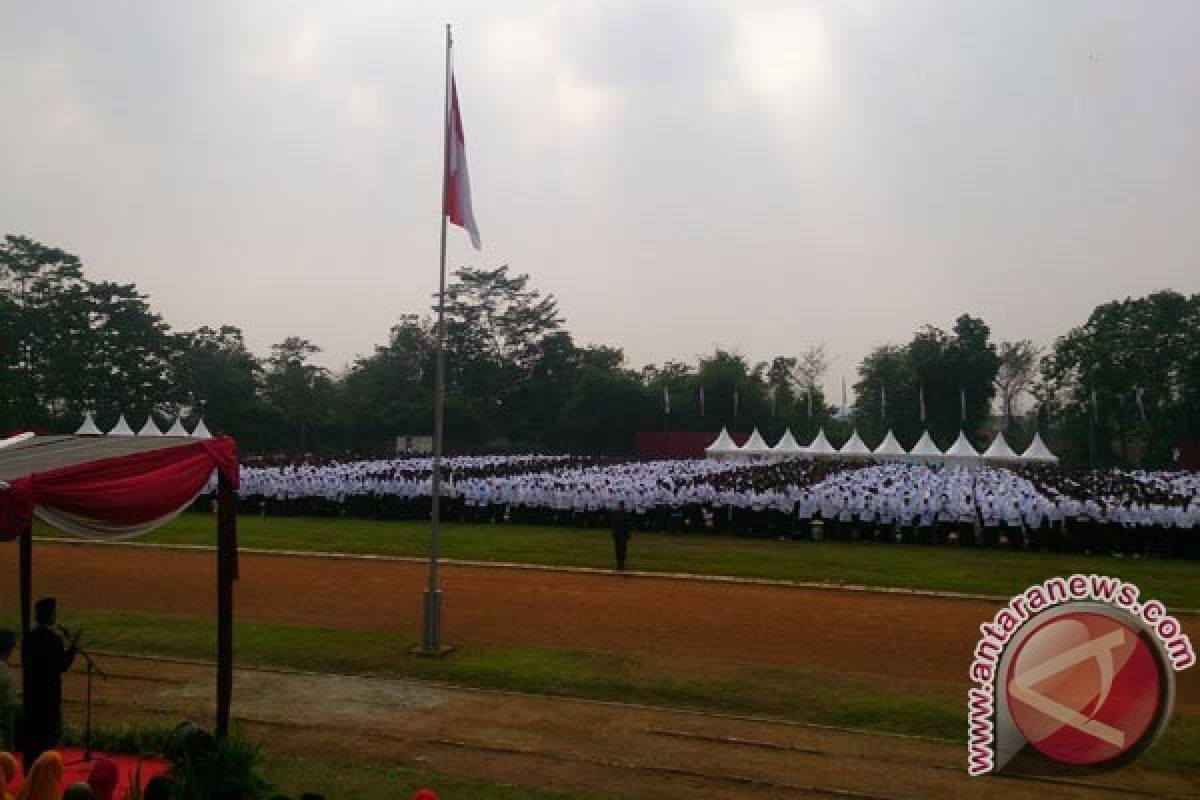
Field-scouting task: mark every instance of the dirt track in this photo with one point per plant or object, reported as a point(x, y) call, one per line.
point(898, 638)
point(847, 631)
point(610, 750)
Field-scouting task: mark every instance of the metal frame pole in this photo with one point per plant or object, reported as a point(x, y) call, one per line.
point(431, 640)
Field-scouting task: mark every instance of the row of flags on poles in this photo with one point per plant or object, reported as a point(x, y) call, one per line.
point(773, 392)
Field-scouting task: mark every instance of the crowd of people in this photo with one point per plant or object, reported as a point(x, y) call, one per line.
point(1122, 512)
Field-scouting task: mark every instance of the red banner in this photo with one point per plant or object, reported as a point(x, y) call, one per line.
point(126, 490)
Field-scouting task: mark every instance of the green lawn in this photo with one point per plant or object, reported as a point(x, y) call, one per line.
point(1176, 583)
point(919, 708)
point(291, 774)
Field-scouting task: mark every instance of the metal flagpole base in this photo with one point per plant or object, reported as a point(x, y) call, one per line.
point(431, 642)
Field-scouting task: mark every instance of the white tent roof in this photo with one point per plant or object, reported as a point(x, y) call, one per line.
point(150, 428)
point(722, 444)
point(925, 447)
point(999, 450)
point(1037, 451)
point(121, 428)
point(962, 448)
point(17, 439)
point(755, 445)
point(787, 444)
point(855, 446)
point(820, 445)
point(177, 429)
point(200, 431)
point(88, 428)
point(890, 446)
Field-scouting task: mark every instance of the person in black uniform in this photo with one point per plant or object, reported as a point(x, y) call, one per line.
point(46, 654)
point(621, 529)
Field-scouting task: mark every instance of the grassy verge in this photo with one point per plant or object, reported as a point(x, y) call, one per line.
point(1176, 583)
point(292, 774)
point(863, 702)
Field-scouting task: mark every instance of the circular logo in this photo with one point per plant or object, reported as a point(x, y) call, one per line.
point(1085, 688)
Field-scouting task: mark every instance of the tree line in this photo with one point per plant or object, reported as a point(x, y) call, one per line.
point(1121, 388)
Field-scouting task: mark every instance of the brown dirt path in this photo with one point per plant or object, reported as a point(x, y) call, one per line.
point(613, 750)
point(897, 636)
point(607, 749)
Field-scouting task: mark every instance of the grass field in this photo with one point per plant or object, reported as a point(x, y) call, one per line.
point(291, 774)
point(933, 709)
point(1176, 583)
point(853, 701)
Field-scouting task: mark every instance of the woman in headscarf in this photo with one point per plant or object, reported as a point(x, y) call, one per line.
point(44, 780)
point(103, 779)
point(8, 773)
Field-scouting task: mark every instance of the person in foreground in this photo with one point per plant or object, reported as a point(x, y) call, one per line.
point(46, 656)
point(8, 693)
point(9, 770)
point(103, 779)
point(44, 779)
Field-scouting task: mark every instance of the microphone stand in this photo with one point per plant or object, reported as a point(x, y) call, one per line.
point(92, 668)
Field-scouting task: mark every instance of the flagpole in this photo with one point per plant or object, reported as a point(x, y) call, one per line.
point(431, 641)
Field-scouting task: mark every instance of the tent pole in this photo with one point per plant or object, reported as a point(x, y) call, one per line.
point(26, 580)
point(226, 573)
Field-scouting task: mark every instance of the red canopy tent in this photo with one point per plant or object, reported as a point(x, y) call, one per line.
point(118, 487)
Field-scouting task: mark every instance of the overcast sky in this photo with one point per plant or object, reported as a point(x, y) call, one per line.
point(760, 176)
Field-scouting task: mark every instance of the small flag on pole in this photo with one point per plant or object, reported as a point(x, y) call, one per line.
point(922, 402)
point(774, 392)
point(962, 404)
point(458, 182)
point(735, 403)
point(809, 395)
point(883, 403)
point(702, 401)
point(666, 399)
point(1139, 396)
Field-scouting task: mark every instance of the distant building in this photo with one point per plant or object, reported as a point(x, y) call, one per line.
point(421, 445)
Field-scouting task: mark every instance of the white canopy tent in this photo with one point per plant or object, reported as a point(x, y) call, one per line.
point(890, 447)
point(820, 445)
point(925, 448)
point(201, 431)
point(755, 446)
point(722, 448)
point(787, 446)
point(150, 428)
point(962, 449)
point(855, 447)
point(121, 428)
point(1037, 452)
point(999, 450)
point(89, 428)
point(177, 429)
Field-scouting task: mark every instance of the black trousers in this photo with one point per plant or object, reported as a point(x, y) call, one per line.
point(620, 548)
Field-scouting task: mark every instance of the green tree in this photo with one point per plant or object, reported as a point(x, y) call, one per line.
point(946, 368)
point(390, 392)
point(220, 380)
point(300, 391)
point(499, 333)
point(1145, 347)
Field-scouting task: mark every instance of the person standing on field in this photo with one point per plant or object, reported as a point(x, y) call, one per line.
point(621, 530)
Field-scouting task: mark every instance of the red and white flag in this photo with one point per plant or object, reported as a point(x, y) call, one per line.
point(458, 181)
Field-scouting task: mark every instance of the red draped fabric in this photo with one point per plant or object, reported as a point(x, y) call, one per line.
point(126, 490)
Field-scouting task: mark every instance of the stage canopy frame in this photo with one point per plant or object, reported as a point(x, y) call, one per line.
point(118, 487)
